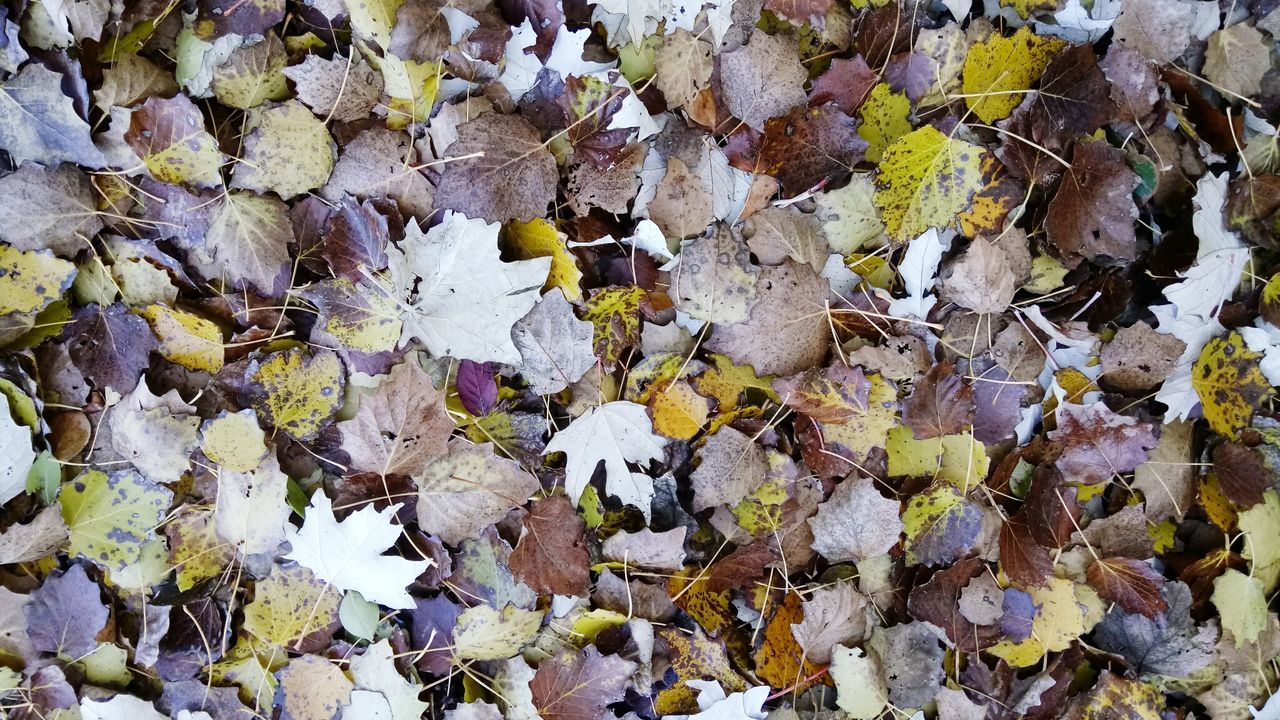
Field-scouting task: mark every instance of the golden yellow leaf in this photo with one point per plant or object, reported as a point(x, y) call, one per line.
point(678, 411)
point(1230, 383)
point(31, 280)
point(999, 70)
point(188, 340)
point(885, 118)
point(780, 660)
point(539, 238)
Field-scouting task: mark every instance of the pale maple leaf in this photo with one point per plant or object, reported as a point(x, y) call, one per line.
point(615, 433)
point(458, 297)
point(348, 554)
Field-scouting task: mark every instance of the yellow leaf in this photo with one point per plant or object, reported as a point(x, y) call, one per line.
point(592, 623)
point(1047, 275)
point(112, 518)
point(289, 604)
point(725, 383)
point(694, 656)
point(1118, 698)
point(539, 238)
point(234, 441)
point(358, 318)
point(301, 390)
point(999, 70)
point(654, 373)
point(1216, 506)
point(614, 312)
point(195, 550)
point(884, 119)
point(866, 430)
point(780, 661)
point(251, 667)
point(372, 20)
point(678, 411)
point(412, 86)
point(925, 180)
point(188, 340)
point(958, 459)
point(1058, 621)
point(483, 633)
point(713, 611)
point(939, 525)
point(1000, 194)
point(31, 280)
point(1026, 8)
point(1261, 526)
point(876, 270)
point(1230, 383)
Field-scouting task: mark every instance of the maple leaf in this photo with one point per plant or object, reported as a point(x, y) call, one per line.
point(400, 428)
point(435, 276)
point(614, 433)
point(348, 554)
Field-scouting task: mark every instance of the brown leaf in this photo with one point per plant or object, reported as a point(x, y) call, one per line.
point(1131, 584)
point(1092, 215)
point(935, 602)
point(551, 556)
point(847, 83)
point(1024, 561)
point(110, 346)
point(831, 394)
point(1074, 97)
point(575, 686)
point(809, 147)
point(401, 427)
point(743, 567)
point(1099, 444)
point(940, 404)
point(514, 179)
point(1242, 474)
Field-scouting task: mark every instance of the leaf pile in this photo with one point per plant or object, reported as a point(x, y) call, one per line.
point(734, 359)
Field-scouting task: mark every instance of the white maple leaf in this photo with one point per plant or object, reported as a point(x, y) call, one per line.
point(375, 671)
point(714, 705)
point(520, 71)
point(348, 554)
point(919, 270)
point(457, 295)
point(616, 433)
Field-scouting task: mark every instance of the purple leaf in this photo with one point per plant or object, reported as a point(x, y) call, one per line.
point(476, 387)
point(1019, 611)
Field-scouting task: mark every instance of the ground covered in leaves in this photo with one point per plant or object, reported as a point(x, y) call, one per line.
point(400, 359)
